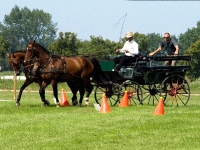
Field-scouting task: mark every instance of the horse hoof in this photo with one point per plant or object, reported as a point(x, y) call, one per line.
point(75, 103)
point(87, 104)
point(47, 103)
point(79, 105)
point(86, 101)
point(43, 104)
point(17, 104)
point(58, 105)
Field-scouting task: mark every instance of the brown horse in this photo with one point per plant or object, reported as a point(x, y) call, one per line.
point(16, 59)
point(79, 70)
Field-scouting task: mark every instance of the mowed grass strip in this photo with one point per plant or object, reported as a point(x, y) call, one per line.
point(31, 126)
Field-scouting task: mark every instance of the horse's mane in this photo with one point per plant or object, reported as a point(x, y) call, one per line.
point(38, 45)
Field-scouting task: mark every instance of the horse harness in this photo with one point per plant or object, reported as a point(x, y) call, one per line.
point(42, 69)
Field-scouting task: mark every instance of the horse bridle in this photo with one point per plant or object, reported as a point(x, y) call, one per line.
point(34, 59)
point(32, 52)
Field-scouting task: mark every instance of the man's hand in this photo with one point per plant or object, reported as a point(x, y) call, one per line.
point(151, 54)
point(117, 51)
point(175, 53)
point(127, 51)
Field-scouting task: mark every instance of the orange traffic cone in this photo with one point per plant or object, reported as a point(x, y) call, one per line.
point(63, 99)
point(104, 105)
point(159, 108)
point(124, 101)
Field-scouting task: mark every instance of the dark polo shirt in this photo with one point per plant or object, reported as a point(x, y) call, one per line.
point(169, 46)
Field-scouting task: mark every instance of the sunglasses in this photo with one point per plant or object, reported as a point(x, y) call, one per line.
point(166, 37)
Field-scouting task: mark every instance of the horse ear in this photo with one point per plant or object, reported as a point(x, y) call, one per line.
point(14, 60)
point(33, 41)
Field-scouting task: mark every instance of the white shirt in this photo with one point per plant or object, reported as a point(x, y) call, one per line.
point(132, 46)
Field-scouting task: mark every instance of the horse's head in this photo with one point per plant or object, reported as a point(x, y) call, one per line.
point(15, 60)
point(35, 51)
point(30, 52)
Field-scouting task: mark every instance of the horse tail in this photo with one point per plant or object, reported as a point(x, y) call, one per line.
point(98, 74)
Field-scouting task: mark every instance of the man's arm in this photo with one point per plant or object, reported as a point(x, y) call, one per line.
point(122, 50)
point(176, 51)
point(156, 51)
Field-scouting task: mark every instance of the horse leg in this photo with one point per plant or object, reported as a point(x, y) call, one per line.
point(74, 90)
point(55, 92)
point(82, 92)
point(42, 94)
point(26, 83)
point(89, 89)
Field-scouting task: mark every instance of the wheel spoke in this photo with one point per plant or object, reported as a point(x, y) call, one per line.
point(112, 98)
point(177, 89)
point(151, 93)
point(134, 91)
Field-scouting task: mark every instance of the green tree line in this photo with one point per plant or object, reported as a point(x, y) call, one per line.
point(23, 25)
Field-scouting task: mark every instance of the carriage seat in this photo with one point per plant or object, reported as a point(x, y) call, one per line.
point(138, 60)
point(136, 63)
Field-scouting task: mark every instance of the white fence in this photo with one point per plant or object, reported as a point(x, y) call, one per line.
point(12, 77)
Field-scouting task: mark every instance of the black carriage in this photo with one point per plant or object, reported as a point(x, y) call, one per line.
point(146, 79)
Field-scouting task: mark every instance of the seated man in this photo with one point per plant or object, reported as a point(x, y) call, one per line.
point(130, 49)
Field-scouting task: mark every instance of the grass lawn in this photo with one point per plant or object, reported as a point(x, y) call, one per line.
point(33, 127)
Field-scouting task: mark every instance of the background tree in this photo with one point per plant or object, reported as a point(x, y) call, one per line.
point(4, 48)
point(189, 37)
point(23, 25)
point(142, 41)
point(154, 41)
point(194, 51)
point(99, 48)
point(67, 44)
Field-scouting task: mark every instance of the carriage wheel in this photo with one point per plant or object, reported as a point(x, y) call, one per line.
point(111, 97)
point(151, 93)
point(176, 90)
point(134, 92)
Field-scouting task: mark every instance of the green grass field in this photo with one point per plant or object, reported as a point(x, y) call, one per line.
point(33, 127)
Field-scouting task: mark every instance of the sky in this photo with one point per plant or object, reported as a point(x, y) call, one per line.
point(112, 19)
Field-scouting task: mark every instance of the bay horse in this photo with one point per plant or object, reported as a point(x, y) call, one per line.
point(56, 69)
point(16, 59)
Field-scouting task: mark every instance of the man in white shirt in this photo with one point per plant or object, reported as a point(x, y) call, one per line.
point(130, 49)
